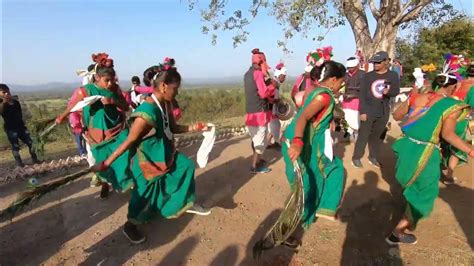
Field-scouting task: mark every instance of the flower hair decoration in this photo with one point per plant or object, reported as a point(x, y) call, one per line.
point(319, 56)
point(167, 64)
point(102, 60)
point(455, 66)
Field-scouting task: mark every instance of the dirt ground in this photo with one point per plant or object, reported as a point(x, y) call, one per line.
point(73, 226)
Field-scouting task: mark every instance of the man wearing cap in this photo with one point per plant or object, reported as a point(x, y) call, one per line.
point(376, 89)
point(350, 102)
point(259, 88)
point(15, 128)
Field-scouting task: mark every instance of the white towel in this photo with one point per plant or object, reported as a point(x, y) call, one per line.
point(85, 102)
point(328, 145)
point(206, 146)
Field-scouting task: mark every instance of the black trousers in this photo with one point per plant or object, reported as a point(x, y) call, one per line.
point(370, 131)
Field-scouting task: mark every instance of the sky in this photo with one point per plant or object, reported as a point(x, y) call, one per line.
point(46, 41)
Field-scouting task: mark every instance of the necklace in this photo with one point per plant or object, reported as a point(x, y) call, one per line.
point(166, 121)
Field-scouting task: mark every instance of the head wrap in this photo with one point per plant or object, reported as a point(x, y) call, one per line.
point(352, 62)
point(258, 58)
point(280, 69)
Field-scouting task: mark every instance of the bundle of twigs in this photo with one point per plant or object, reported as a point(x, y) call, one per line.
point(35, 193)
point(40, 130)
point(288, 220)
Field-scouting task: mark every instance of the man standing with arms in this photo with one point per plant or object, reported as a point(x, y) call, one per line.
point(376, 89)
point(15, 128)
point(259, 88)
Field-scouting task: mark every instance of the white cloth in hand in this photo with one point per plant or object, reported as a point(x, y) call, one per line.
point(328, 145)
point(206, 146)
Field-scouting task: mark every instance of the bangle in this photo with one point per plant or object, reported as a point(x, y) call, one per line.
point(199, 126)
point(297, 141)
point(103, 167)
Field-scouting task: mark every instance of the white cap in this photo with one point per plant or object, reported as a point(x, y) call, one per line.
point(352, 62)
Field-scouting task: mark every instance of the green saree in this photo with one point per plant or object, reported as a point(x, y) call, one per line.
point(164, 178)
point(419, 159)
point(323, 178)
point(105, 131)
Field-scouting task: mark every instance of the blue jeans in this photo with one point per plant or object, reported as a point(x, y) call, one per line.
point(81, 144)
point(14, 135)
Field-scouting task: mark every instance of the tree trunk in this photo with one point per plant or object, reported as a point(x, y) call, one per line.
point(385, 33)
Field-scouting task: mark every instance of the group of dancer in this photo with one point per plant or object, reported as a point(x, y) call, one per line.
point(136, 150)
point(139, 153)
point(429, 120)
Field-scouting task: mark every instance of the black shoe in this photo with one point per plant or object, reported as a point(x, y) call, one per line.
point(260, 170)
point(374, 162)
point(262, 163)
point(104, 192)
point(401, 239)
point(199, 210)
point(357, 163)
point(448, 180)
point(292, 243)
point(131, 232)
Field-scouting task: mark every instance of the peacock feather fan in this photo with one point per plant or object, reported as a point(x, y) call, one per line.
point(288, 220)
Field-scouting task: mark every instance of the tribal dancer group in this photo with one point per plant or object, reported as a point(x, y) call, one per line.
point(130, 136)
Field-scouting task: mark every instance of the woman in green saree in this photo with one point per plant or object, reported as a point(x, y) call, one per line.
point(311, 147)
point(431, 117)
point(104, 123)
point(164, 178)
point(451, 156)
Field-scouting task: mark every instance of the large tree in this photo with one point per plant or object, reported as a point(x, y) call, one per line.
point(301, 16)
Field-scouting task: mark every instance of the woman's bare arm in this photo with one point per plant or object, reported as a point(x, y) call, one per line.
point(449, 135)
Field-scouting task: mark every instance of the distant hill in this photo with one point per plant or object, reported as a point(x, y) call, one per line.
point(190, 83)
point(52, 86)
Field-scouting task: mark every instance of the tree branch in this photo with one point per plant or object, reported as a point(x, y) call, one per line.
point(413, 13)
point(375, 12)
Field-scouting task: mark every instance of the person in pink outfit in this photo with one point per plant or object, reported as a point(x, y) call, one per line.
point(259, 89)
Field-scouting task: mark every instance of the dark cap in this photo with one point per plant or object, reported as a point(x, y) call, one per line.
point(379, 57)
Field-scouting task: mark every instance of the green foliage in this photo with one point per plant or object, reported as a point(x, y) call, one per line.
point(205, 104)
point(315, 19)
point(455, 36)
point(211, 104)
